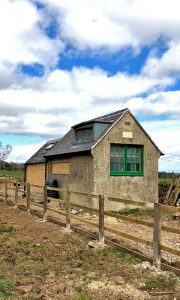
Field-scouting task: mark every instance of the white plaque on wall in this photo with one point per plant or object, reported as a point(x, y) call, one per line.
point(127, 134)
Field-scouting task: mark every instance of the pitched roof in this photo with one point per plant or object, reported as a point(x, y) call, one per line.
point(38, 157)
point(66, 145)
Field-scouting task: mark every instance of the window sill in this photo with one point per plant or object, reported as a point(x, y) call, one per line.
point(126, 174)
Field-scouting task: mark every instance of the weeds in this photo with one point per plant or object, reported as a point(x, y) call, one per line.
point(6, 288)
point(36, 245)
point(86, 268)
point(161, 282)
point(131, 211)
point(10, 230)
point(121, 255)
point(82, 296)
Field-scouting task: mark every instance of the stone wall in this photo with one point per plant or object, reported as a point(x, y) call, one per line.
point(80, 177)
point(138, 188)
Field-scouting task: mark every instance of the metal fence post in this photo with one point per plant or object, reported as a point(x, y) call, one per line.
point(45, 204)
point(157, 236)
point(16, 194)
point(68, 213)
point(28, 197)
point(101, 218)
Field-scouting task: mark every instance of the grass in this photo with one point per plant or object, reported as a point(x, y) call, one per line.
point(14, 174)
point(165, 180)
point(85, 269)
point(141, 212)
point(161, 282)
point(129, 212)
point(121, 255)
point(6, 288)
point(82, 296)
point(10, 230)
point(136, 212)
point(36, 245)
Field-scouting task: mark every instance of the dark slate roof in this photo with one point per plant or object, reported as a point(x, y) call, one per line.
point(110, 118)
point(38, 157)
point(66, 146)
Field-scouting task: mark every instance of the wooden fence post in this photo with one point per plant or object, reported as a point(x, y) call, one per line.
point(16, 194)
point(5, 199)
point(45, 204)
point(101, 218)
point(157, 236)
point(68, 213)
point(28, 197)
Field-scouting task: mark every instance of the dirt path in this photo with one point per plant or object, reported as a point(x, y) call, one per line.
point(42, 261)
point(167, 238)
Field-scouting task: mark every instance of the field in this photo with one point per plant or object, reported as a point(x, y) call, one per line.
point(165, 180)
point(40, 260)
point(19, 174)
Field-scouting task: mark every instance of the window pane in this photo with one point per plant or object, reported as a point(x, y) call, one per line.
point(131, 150)
point(138, 150)
point(126, 158)
point(117, 158)
point(133, 158)
point(122, 167)
point(138, 159)
point(131, 167)
point(138, 167)
point(83, 134)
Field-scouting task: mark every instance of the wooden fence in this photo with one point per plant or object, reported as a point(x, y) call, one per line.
point(28, 191)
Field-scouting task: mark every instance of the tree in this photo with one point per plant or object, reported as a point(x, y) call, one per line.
point(4, 151)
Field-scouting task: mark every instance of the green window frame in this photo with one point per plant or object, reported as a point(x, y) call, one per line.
point(126, 160)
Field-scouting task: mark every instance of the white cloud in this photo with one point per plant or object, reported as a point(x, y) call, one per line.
point(61, 98)
point(116, 24)
point(168, 64)
point(49, 105)
point(23, 39)
point(166, 135)
point(160, 103)
point(21, 153)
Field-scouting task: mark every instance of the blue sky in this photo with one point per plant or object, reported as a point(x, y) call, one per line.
point(63, 62)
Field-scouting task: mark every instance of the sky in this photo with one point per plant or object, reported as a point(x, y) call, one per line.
point(63, 62)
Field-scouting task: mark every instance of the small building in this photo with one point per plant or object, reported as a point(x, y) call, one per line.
point(111, 155)
point(35, 167)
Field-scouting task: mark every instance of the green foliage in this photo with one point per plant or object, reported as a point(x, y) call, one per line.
point(82, 296)
point(161, 282)
point(121, 255)
point(17, 174)
point(168, 175)
point(131, 211)
point(86, 268)
point(6, 288)
point(165, 180)
point(10, 230)
point(135, 212)
point(36, 245)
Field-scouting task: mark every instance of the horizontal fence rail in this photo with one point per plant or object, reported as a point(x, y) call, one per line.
point(132, 202)
point(29, 192)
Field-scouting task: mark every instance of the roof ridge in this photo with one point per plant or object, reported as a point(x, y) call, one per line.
point(103, 116)
point(113, 113)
